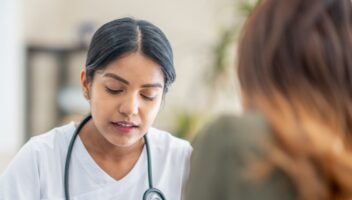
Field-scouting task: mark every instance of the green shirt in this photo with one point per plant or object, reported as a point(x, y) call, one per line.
point(219, 162)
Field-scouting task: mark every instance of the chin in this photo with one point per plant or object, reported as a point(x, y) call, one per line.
point(123, 142)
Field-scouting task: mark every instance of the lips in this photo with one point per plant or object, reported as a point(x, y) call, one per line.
point(124, 126)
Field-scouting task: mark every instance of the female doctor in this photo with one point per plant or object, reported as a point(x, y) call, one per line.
point(114, 153)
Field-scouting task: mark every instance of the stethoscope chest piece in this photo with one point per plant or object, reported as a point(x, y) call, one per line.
point(153, 194)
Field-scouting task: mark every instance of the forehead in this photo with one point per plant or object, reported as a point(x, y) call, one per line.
point(135, 67)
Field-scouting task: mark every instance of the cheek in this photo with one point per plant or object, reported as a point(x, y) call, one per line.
point(100, 102)
point(151, 112)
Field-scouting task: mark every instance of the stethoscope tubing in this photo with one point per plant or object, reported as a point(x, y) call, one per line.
point(150, 190)
point(69, 154)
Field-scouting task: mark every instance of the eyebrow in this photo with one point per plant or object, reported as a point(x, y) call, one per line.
point(118, 78)
point(151, 85)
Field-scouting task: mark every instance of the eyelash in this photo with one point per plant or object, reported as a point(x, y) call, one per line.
point(114, 92)
point(148, 98)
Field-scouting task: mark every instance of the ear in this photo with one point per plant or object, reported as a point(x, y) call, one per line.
point(85, 85)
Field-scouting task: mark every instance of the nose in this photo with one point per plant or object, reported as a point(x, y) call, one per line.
point(129, 105)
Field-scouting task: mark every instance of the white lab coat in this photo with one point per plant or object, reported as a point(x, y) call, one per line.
point(37, 171)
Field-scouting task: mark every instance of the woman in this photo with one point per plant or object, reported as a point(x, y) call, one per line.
point(128, 72)
point(294, 142)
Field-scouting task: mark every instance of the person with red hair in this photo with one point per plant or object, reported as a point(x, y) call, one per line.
point(294, 140)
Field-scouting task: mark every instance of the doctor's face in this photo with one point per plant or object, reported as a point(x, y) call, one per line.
point(125, 97)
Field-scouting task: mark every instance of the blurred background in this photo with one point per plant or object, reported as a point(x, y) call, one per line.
point(44, 45)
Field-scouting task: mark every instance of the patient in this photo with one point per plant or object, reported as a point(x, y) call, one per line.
point(294, 140)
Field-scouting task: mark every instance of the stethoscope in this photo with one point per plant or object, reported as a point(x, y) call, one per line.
point(150, 194)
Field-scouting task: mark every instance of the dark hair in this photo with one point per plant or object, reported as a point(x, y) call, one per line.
point(127, 35)
point(295, 66)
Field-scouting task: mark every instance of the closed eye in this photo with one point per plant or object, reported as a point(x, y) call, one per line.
point(112, 91)
point(148, 98)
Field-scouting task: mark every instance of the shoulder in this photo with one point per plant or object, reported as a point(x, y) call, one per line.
point(53, 139)
point(232, 141)
point(235, 132)
point(39, 150)
point(227, 140)
point(39, 155)
point(46, 145)
point(165, 141)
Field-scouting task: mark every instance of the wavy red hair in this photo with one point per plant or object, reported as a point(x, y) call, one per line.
point(295, 66)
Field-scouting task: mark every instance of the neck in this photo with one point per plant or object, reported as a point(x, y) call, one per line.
point(96, 144)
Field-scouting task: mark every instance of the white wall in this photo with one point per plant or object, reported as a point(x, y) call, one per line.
point(11, 80)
